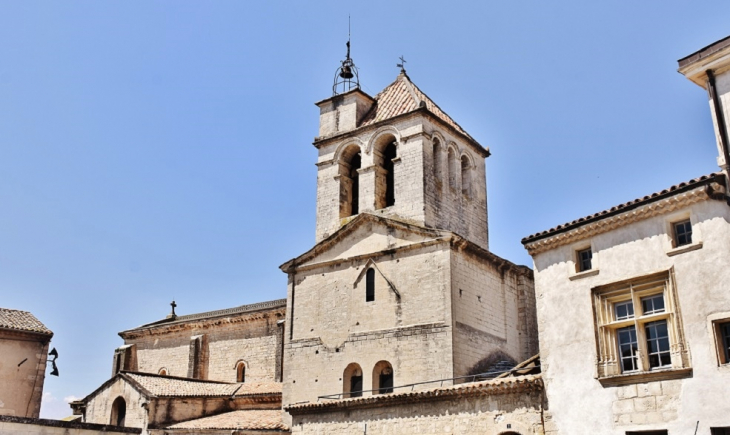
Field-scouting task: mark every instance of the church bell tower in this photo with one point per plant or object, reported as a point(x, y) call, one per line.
point(400, 287)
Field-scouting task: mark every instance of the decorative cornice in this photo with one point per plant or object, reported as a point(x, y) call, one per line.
point(492, 387)
point(600, 226)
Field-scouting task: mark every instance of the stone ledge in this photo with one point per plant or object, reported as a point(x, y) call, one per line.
point(642, 377)
point(685, 248)
point(585, 274)
point(68, 424)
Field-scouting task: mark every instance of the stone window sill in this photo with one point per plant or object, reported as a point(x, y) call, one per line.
point(641, 377)
point(584, 274)
point(685, 248)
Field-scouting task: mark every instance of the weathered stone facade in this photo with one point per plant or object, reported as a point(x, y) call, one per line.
point(400, 288)
point(209, 345)
point(501, 406)
point(434, 156)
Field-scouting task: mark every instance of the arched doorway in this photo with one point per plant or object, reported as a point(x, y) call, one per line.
point(119, 412)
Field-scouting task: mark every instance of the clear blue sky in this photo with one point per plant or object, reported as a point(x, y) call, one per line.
point(153, 150)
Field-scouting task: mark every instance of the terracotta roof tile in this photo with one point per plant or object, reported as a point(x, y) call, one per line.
point(22, 321)
point(677, 188)
point(169, 386)
point(242, 420)
point(489, 387)
point(402, 96)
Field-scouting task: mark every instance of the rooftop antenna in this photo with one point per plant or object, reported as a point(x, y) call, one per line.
point(402, 65)
point(346, 76)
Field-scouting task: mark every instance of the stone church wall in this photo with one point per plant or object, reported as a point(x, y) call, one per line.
point(518, 413)
point(253, 341)
point(99, 408)
point(417, 195)
point(494, 310)
point(446, 205)
point(333, 326)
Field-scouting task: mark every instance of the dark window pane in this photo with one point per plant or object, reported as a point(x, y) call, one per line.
point(386, 382)
point(725, 332)
point(628, 347)
point(584, 260)
point(720, 431)
point(652, 304)
point(370, 285)
point(356, 386)
point(657, 341)
point(683, 233)
point(624, 310)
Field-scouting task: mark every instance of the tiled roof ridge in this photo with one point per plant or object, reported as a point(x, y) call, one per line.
point(21, 320)
point(179, 378)
point(677, 188)
point(240, 419)
point(442, 112)
point(487, 387)
point(249, 308)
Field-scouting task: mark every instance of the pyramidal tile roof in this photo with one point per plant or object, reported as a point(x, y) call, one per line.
point(22, 321)
point(402, 96)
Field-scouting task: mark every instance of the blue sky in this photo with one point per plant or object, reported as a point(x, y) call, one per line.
point(162, 149)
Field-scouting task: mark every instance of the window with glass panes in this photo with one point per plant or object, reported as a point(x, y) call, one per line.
point(585, 258)
point(638, 326)
point(682, 233)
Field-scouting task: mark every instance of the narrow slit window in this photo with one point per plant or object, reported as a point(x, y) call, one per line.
point(241, 372)
point(370, 285)
point(723, 341)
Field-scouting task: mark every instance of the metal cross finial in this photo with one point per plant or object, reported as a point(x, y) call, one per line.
point(173, 305)
point(402, 64)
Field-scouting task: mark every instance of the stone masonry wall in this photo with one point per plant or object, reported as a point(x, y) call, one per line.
point(334, 326)
point(486, 415)
point(448, 207)
point(253, 341)
point(417, 197)
point(491, 312)
point(99, 408)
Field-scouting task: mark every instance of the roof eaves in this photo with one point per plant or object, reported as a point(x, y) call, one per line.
point(631, 205)
point(243, 309)
point(485, 152)
point(704, 52)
